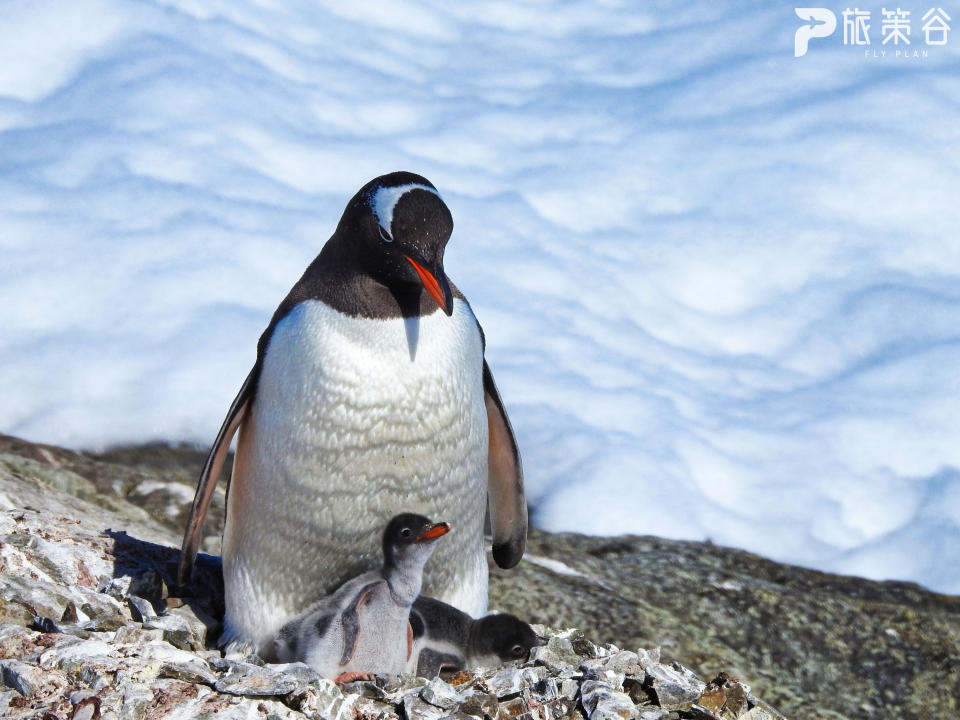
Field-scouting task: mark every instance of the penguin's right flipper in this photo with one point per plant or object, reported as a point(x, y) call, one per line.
point(208, 479)
point(508, 503)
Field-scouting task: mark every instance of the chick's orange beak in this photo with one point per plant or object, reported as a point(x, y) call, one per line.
point(435, 531)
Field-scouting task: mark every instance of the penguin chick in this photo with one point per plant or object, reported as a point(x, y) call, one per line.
point(445, 638)
point(363, 627)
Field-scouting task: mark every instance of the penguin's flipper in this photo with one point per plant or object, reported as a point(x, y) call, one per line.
point(508, 504)
point(351, 623)
point(432, 661)
point(208, 479)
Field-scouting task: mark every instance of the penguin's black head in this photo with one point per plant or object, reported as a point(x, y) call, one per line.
point(402, 226)
point(504, 636)
point(409, 536)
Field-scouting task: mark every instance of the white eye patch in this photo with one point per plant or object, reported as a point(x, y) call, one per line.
point(384, 201)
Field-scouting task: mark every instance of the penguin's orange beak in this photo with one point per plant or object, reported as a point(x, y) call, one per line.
point(440, 293)
point(434, 531)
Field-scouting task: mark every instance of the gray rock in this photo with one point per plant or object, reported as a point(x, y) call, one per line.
point(136, 698)
point(569, 688)
point(86, 706)
point(25, 679)
point(624, 663)
point(514, 707)
point(202, 626)
point(141, 608)
point(479, 704)
point(757, 713)
point(416, 708)
point(115, 587)
point(603, 702)
point(176, 631)
point(78, 696)
point(674, 688)
point(188, 672)
point(71, 654)
point(105, 614)
point(544, 690)
point(370, 709)
point(557, 654)
point(441, 694)
point(646, 658)
point(530, 676)
point(655, 713)
point(136, 634)
point(247, 679)
point(505, 682)
point(167, 661)
point(603, 675)
point(26, 598)
point(301, 672)
point(6, 696)
point(95, 677)
point(323, 701)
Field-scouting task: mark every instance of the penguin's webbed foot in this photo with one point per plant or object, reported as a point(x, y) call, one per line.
point(353, 676)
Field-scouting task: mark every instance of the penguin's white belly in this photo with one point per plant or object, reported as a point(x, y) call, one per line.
point(356, 420)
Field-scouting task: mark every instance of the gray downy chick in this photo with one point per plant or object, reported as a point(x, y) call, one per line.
point(363, 628)
point(444, 638)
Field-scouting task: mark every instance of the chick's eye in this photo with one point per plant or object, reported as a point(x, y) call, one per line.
point(517, 651)
point(384, 235)
point(406, 532)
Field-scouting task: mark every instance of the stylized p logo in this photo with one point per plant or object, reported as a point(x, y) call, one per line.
point(820, 23)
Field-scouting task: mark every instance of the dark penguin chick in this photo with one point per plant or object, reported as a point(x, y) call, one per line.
point(445, 638)
point(499, 638)
point(373, 349)
point(363, 628)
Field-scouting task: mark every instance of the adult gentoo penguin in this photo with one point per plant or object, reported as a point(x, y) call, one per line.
point(370, 394)
point(364, 627)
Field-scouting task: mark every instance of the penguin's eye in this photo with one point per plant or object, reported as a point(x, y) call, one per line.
point(384, 235)
point(518, 651)
point(406, 532)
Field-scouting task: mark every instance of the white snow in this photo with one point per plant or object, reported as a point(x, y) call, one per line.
point(719, 283)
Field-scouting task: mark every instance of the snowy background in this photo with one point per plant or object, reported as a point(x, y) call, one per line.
point(719, 283)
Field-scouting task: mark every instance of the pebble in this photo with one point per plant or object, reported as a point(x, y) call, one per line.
point(480, 704)
point(136, 698)
point(441, 694)
point(175, 629)
point(25, 679)
point(323, 700)
point(603, 702)
point(141, 608)
point(674, 689)
point(505, 682)
point(247, 679)
point(415, 706)
point(557, 654)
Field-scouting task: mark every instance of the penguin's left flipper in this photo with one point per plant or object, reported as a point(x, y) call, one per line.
point(208, 479)
point(351, 623)
point(431, 662)
point(508, 504)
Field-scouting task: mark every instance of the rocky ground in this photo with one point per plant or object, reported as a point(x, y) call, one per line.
point(92, 626)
